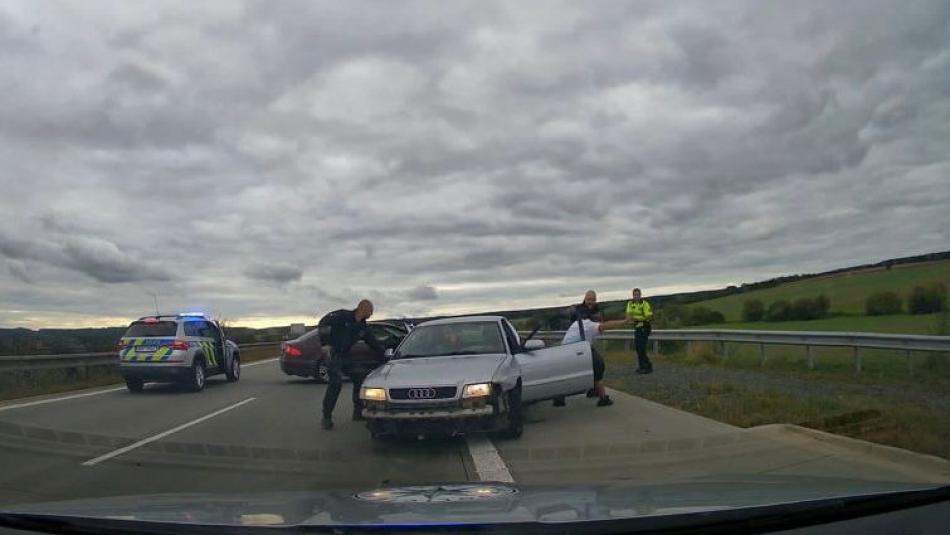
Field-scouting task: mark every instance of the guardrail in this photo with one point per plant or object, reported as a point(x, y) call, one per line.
point(74, 360)
point(906, 343)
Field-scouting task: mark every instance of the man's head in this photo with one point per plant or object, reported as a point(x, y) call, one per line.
point(364, 310)
point(636, 294)
point(590, 298)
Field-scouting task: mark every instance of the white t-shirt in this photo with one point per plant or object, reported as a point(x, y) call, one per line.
point(591, 332)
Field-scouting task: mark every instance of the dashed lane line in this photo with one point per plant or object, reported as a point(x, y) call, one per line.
point(163, 434)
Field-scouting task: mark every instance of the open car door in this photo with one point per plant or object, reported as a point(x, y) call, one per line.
point(555, 371)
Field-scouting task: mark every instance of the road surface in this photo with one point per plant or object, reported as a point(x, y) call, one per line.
point(262, 434)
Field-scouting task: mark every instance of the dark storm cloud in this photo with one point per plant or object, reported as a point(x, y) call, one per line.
point(282, 159)
point(100, 259)
point(279, 273)
point(422, 293)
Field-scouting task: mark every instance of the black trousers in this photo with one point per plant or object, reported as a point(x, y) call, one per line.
point(641, 335)
point(338, 366)
point(599, 366)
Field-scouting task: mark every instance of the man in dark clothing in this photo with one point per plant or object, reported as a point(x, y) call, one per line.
point(588, 310)
point(339, 330)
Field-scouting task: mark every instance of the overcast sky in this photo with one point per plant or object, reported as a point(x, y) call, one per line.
point(271, 161)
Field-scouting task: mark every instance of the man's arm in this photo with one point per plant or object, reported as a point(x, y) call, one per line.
point(371, 340)
point(326, 327)
point(612, 324)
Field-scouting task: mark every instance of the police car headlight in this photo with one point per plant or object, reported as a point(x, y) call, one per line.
point(477, 390)
point(373, 394)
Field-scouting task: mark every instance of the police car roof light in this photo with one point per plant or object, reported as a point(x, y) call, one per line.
point(193, 314)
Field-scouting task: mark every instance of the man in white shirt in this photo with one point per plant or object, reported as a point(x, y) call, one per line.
point(591, 330)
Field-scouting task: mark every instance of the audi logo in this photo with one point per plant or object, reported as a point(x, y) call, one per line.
point(421, 393)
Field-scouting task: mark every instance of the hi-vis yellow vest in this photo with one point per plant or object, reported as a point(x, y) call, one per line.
point(639, 312)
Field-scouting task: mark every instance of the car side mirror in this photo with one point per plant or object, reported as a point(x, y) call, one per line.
point(388, 353)
point(531, 345)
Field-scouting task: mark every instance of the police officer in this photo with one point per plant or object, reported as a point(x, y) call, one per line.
point(339, 330)
point(641, 315)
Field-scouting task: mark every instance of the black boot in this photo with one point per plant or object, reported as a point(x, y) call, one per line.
point(605, 402)
point(327, 423)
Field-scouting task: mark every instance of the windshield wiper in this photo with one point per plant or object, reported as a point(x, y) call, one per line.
point(466, 352)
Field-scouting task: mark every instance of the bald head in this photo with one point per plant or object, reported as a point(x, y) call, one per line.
point(364, 310)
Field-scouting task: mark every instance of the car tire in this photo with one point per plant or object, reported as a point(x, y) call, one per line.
point(321, 373)
point(134, 385)
point(199, 375)
point(233, 373)
point(514, 423)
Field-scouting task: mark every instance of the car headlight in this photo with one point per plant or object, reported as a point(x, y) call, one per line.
point(373, 394)
point(477, 390)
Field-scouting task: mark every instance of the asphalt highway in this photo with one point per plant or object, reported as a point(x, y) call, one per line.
point(262, 434)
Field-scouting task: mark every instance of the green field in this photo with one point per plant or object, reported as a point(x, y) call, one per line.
point(847, 291)
point(899, 323)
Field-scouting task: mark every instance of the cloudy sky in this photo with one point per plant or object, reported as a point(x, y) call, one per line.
point(271, 161)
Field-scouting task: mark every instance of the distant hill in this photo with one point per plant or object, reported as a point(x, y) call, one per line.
point(847, 292)
point(847, 288)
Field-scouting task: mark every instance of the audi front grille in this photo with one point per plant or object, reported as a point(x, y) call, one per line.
point(423, 393)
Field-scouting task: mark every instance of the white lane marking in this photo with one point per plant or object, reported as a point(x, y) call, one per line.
point(64, 398)
point(98, 392)
point(163, 434)
point(488, 463)
point(255, 363)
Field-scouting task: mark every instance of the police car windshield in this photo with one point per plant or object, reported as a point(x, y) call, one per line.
point(158, 328)
point(452, 339)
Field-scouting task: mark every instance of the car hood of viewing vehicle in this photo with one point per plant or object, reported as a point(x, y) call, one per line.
point(449, 370)
point(485, 504)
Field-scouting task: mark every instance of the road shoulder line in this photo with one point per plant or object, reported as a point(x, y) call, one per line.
point(61, 398)
point(489, 466)
point(163, 434)
point(256, 362)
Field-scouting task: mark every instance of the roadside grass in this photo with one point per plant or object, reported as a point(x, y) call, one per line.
point(26, 383)
point(897, 323)
point(918, 369)
point(863, 417)
point(847, 291)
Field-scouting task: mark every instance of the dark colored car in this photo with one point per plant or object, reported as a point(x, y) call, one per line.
point(301, 356)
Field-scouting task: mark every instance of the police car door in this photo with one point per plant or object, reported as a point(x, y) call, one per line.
point(213, 345)
point(554, 371)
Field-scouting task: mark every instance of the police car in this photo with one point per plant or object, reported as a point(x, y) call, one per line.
point(184, 348)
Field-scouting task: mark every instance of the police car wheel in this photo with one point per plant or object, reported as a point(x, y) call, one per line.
point(233, 373)
point(198, 376)
point(134, 385)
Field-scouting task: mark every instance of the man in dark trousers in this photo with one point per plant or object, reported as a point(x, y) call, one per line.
point(587, 310)
point(641, 315)
point(339, 330)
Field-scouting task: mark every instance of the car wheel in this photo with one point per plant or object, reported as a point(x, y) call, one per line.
point(514, 423)
point(322, 374)
point(233, 373)
point(198, 376)
point(134, 385)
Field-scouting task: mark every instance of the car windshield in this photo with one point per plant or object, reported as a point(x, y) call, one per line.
point(380, 264)
point(470, 338)
point(141, 329)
